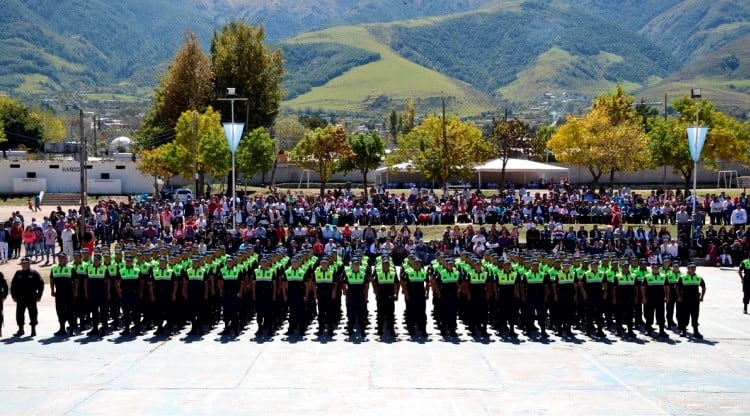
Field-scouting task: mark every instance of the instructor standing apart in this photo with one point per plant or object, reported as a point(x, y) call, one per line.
point(26, 288)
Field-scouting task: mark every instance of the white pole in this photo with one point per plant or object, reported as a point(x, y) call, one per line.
point(234, 187)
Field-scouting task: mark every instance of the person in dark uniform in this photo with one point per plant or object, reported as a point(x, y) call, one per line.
point(62, 288)
point(264, 289)
point(385, 285)
point(356, 287)
point(449, 280)
point(230, 286)
point(479, 290)
point(163, 291)
point(3, 295)
point(640, 273)
point(81, 309)
point(673, 276)
point(145, 266)
point(415, 287)
point(26, 289)
point(654, 292)
point(295, 296)
point(691, 289)
point(508, 295)
point(594, 291)
point(113, 267)
point(565, 294)
point(196, 293)
point(624, 298)
point(325, 281)
point(96, 289)
point(130, 290)
point(535, 291)
point(745, 280)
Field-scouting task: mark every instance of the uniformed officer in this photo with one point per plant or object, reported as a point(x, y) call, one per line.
point(690, 299)
point(508, 297)
point(654, 292)
point(535, 291)
point(163, 292)
point(264, 290)
point(385, 284)
point(3, 295)
point(230, 287)
point(196, 293)
point(325, 280)
point(565, 294)
point(130, 289)
point(449, 280)
point(624, 297)
point(745, 280)
point(62, 288)
point(673, 276)
point(296, 296)
point(416, 289)
point(81, 309)
point(26, 289)
point(594, 290)
point(356, 287)
point(480, 288)
point(96, 288)
point(115, 302)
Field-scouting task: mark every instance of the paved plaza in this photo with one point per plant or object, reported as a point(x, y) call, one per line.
point(47, 375)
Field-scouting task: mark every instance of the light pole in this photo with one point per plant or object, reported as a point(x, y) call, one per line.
point(696, 140)
point(233, 131)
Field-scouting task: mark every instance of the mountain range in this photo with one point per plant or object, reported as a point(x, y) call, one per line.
point(368, 56)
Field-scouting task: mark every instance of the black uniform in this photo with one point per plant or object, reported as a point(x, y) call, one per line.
point(26, 288)
point(63, 288)
point(386, 290)
point(689, 289)
point(264, 296)
point(165, 285)
point(416, 305)
point(326, 282)
point(231, 283)
point(654, 289)
point(3, 295)
point(98, 284)
point(625, 294)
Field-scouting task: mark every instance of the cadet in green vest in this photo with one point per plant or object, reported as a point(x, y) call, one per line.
point(356, 287)
point(449, 279)
point(62, 287)
point(535, 291)
point(325, 294)
point(295, 296)
point(640, 271)
point(385, 287)
point(565, 296)
point(196, 293)
point(673, 276)
point(131, 289)
point(146, 266)
point(81, 310)
point(624, 296)
point(96, 288)
point(594, 290)
point(690, 299)
point(745, 280)
point(479, 291)
point(26, 289)
point(163, 291)
point(230, 290)
point(508, 295)
point(415, 286)
point(654, 292)
point(115, 302)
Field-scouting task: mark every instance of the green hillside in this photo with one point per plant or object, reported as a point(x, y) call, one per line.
point(371, 87)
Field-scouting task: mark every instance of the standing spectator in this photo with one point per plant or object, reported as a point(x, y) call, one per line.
point(68, 237)
point(26, 288)
point(50, 237)
point(4, 238)
point(739, 217)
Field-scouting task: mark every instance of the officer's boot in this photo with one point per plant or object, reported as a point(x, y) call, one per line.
point(696, 333)
point(745, 309)
point(33, 330)
point(20, 332)
point(94, 331)
point(543, 330)
point(511, 332)
point(630, 331)
point(61, 331)
point(662, 333)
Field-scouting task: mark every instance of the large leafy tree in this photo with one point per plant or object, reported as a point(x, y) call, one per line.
point(322, 150)
point(20, 126)
point(442, 151)
point(187, 85)
point(727, 139)
point(160, 162)
point(242, 60)
point(369, 150)
point(256, 152)
point(204, 142)
point(608, 139)
point(538, 144)
point(510, 138)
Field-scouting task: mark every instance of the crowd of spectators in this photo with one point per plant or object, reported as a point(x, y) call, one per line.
point(619, 221)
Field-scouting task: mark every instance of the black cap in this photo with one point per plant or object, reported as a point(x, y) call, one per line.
point(62, 254)
point(25, 260)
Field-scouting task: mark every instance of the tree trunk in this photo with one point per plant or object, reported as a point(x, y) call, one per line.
point(322, 187)
point(595, 175)
point(273, 171)
point(364, 181)
point(202, 183)
point(688, 175)
point(502, 177)
point(612, 178)
point(230, 185)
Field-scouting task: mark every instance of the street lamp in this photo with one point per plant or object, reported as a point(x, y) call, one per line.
point(233, 131)
point(696, 140)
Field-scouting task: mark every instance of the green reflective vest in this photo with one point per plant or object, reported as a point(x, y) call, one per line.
point(62, 272)
point(655, 279)
point(230, 273)
point(163, 274)
point(355, 278)
point(624, 279)
point(566, 278)
point(295, 275)
point(264, 275)
point(691, 280)
point(96, 272)
point(385, 277)
point(478, 278)
point(508, 278)
point(82, 268)
point(449, 276)
point(129, 273)
point(595, 277)
point(673, 277)
point(534, 278)
point(416, 276)
point(324, 276)
point(196, 274)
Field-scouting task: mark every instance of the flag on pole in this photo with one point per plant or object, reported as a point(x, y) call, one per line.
point(696, 140)
point(234, 134)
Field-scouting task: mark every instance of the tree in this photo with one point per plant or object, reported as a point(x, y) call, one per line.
point(509, 138)
point(207, 144)
point(368, 151)
point(256, 153)
point(538, 145)
point(610, 138)
point(187, 85)
point(288, 131)
point(393, 125)
point(160, 162)
point(442, 151)
point(727, 139)
point(53, 129)
point(20, 127)
point(242, 61)
point(3, 138)
point(407, 123)
point(312, 121)
point(322, 150)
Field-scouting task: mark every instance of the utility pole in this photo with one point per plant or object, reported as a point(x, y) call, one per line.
point(83, 156)
point(195, 156)
point(95, 135)
point(445, 150)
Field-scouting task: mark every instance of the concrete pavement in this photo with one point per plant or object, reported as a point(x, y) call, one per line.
point(215, 375)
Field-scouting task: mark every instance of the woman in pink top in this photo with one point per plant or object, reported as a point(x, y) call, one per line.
point(28, 237)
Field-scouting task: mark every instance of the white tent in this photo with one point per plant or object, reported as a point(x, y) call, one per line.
point(521, 166)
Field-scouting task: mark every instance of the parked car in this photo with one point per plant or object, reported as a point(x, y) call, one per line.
point(183, 195)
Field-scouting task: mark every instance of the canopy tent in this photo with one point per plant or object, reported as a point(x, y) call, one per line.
point(516, 170)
